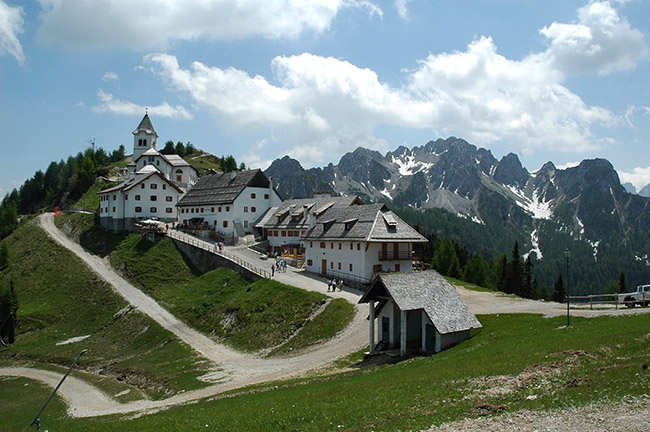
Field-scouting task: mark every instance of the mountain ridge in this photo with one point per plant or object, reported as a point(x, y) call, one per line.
point(584, 207)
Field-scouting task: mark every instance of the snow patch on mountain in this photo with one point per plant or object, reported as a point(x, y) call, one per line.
point(410, 165)
point(534, 240)
point(534, 206)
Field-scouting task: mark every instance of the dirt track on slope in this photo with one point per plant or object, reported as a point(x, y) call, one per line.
point(245, 369)
point(239, 369)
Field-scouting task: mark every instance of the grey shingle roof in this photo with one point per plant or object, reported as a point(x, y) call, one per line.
point(175, 160)
point(140, 176)
point(290, 213)
point(428, 291)
point(372, 223)
point(221, 188)
point(145, 125)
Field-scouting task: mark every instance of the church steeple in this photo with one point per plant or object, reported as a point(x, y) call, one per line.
point(144, 137)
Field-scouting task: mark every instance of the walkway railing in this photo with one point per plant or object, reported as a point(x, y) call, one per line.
point(210, 247)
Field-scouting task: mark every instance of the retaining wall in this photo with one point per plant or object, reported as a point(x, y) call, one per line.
point(206, 261)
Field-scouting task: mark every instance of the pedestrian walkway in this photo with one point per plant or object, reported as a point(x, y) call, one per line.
point(252, 260)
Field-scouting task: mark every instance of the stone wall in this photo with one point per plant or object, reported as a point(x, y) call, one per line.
point(206, 261)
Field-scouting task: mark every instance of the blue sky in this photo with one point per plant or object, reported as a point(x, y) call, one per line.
point(558, 80)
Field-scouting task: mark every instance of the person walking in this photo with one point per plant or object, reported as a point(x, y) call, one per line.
point(272, 270)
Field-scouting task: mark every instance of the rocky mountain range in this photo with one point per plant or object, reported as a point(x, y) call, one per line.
point(586, 203)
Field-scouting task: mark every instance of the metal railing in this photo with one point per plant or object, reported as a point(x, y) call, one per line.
point(604, 299)
point(210, 247)
point(346, 276)
point(391, 256)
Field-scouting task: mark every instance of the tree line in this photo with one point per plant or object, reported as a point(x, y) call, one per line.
point(62, 182)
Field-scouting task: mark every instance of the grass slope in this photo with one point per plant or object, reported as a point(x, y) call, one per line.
point(247, 316)
point(511, 358)
point(60, 298)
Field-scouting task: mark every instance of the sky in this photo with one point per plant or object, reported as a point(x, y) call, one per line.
point(548, 80)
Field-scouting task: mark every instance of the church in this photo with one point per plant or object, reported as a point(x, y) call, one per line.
point(155, 183)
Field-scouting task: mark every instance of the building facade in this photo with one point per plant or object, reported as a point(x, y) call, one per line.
point(227, 204)
point(154, 184)
point(284, 226)
point(359, 241)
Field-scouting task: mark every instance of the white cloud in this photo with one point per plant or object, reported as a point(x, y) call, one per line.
point(639, 177)
point(146, 24)
point(116, 106)
point(11, 26)
point(254, 158)
point(323, 106)
point(600, 41)
point(110, 76)
point(402, 8)
point(568, 165)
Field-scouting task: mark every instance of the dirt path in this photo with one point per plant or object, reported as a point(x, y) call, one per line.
point(241, 369)
point(485, 303)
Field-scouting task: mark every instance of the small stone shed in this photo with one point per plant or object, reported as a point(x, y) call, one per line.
point(417, 310)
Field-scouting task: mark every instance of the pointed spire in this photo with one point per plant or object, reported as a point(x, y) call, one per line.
point(146, 125)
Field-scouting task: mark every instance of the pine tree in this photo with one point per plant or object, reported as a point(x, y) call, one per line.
point(514, 273)
point(476, 270)
point(501, 272)
point(558, 290)
point(528, 289)
point(621, 283)
point(169, 148)
point(4, 255)
point(180, 149)
point(454, 268)
point(444, 256)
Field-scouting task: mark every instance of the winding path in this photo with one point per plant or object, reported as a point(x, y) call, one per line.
point(240, 369)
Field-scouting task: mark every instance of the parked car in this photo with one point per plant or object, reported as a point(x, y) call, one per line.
point(641, 297)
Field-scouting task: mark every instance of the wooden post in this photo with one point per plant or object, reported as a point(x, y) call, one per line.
point(371, 305)
point(402, 331)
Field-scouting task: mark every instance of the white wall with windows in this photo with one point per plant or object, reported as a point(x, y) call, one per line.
point(356, 259)
point(246, 209)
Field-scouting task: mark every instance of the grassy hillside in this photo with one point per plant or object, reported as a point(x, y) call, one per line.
point(247, 316)
point(514, 362)
point(60, 298)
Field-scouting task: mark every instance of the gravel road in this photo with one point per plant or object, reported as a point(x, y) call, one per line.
point(241, 369)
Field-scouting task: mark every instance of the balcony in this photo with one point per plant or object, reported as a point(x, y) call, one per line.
point(399, 256)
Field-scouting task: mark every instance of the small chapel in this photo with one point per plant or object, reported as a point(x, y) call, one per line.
point(155, 183)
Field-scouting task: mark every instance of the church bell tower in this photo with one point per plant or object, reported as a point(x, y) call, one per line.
point(144, 137)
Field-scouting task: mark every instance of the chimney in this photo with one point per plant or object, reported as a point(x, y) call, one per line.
point(311, 220)
point(233, 174)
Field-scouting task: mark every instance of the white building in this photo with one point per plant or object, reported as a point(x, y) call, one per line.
point(355, 242)
point(228, 204)
point(153, 187)
point(284, 226)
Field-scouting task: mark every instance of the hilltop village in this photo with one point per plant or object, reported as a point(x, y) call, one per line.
point(338, 238)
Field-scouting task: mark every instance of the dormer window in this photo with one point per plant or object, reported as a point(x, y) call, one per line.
point(328, 224)
point(350, 223)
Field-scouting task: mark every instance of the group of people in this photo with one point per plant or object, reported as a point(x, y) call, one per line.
point(218, 247)
point(279, 266)
point(333, 284)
